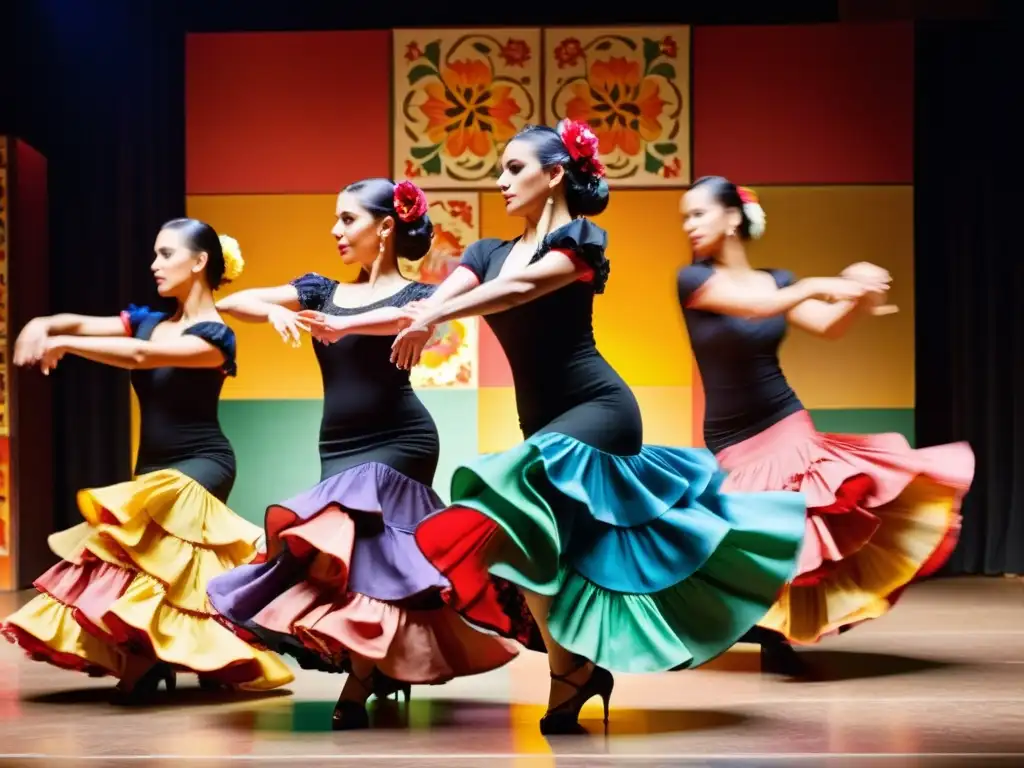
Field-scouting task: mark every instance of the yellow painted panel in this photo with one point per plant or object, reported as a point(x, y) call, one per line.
point(667, 415)
point(637, 321)
point(819, 231)
point(281, 237)
point(497, 420)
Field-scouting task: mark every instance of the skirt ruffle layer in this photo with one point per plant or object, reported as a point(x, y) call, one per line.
point(648, 564)
point(879, 516)
point(132, 581)
point(344, 577)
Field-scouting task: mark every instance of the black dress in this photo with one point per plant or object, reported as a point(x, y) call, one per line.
point(648, 565)
point(344, 575)
point(133, 576)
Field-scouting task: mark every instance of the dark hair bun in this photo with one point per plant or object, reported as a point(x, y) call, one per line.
point(585, 194)
point(413, 239)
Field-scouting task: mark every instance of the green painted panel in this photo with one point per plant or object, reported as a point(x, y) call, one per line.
point(276, 445)
point(865, 421)
point(454, 412)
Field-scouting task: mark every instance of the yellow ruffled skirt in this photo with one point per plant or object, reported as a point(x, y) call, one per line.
point(132, 582)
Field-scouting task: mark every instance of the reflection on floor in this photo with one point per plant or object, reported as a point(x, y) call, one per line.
point(940, 681)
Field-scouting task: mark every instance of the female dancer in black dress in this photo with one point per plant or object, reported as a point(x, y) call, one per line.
point(627, 556)
point(879, 513)
point(345, 587)
point(128, 598)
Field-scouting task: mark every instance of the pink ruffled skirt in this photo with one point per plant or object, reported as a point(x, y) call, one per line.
point(880, 515)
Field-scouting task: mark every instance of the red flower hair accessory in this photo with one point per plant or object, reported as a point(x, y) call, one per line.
point(582, 144)
point(410, 202)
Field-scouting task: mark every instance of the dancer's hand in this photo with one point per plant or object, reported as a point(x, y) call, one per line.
point(415, 309)
point(874, 302)
point(31, 343)
point(410, 341)
point(866, 272)
point(327, 329)
point(287, 323)
point(834, 289)
point(53, 350)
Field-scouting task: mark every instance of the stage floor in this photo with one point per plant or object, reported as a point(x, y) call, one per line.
point(938, 682)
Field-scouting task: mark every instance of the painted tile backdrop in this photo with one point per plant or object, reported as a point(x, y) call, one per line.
point(817, 118)
point(633, 86)
point(460, 95)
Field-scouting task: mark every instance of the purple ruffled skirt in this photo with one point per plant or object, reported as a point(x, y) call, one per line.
point(343, 575)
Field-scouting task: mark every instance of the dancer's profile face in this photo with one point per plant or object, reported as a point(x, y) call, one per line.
point(706, 221)
point(524, 183)
point(357, 232)
point(174, 266)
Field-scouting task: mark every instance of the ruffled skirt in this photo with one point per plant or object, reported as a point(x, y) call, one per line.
point(880, 515)
point(650, 566)
point(343, 577)
point(132, 581)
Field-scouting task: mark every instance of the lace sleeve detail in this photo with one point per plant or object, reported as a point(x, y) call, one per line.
point(418, 292)
point(587, 242)
point(314, 290)
point(220, 336)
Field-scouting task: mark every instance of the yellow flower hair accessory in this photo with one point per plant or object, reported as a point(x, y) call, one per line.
point(753, 210)
point(233, 261)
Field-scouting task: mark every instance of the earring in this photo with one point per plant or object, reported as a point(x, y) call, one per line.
point(375, 268)
point(551, 201)
point(732, 233)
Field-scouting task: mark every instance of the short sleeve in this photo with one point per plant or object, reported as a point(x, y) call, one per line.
point(133, 317)
point(783, 277)
point(314, 290)
point(587, 243)
point(476, 258)
point(691, 279)
point(220, 336)
point(418, 292)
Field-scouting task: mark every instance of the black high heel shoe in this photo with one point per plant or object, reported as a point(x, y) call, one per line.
point(564, 719)
point(351, 715)
point(781, 659)
point(384, 686)
point(147, 685)
point(212, 685)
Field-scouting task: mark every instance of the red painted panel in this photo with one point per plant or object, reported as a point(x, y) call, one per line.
point(494, 368)
point(821, 104)
point(286, 112)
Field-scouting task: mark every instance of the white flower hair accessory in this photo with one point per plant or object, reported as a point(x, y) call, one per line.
point(233, 261)
point(753, 211)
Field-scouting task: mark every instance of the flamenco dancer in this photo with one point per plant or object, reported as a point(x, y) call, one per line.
point(582, 541)
point(880, 514)
point(345, 588)
point(128, 598)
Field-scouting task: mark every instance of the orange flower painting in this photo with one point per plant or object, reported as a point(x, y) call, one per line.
point(628, 86)
point(460, 96)
point(450, 357)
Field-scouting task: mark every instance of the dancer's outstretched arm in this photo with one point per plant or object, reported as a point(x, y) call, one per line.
point(391, 320)
point(552, 271)
point(130, 353)
point(723, 296)
point(31, 342)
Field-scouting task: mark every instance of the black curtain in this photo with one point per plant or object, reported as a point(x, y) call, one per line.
point(102, 96)
point(969, 276)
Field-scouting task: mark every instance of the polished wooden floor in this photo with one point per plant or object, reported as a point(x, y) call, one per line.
point(938, 682)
